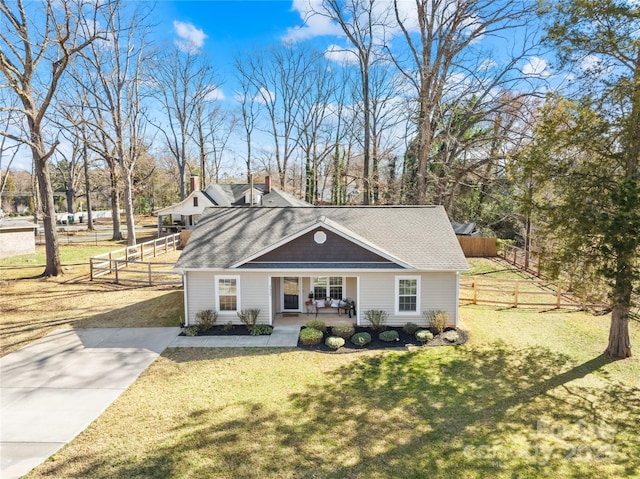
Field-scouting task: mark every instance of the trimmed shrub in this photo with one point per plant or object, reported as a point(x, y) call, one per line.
point(424, 335)
point(344, 331)
point(310, 336)
point(410, 328)
point(451, 336)
point(228, 326)
point(389, 336)
point(261, 330)
point(361, 339)
point(206, 319)
point(377, 319)
point(249, 317)
point(437, 319)
point(334, 342)
point(315, 324)
point(191, 330)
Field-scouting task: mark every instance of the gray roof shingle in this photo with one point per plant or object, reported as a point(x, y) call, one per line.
point(420, 236)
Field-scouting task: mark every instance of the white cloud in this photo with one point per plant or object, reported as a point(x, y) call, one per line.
point(215, 94)
point(536, 66)
point(190, 38)
point(314, 25)
point(341, 55)
point(591, 63)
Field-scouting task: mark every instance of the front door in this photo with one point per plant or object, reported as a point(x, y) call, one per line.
point(291, 289)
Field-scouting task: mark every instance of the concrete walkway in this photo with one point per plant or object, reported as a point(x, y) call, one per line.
point(282, 337)
point(52, 389)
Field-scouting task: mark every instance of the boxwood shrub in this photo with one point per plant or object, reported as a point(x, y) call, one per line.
point(361, 339)
point(451, 336)
point(310, 336)
point(424, 335)
point(334, 342)
point(389, 336)
point(344, 331)
point(315, 324)
point(410, 328)
point(261, 330)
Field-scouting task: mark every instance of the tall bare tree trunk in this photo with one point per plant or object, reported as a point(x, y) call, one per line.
point(53, 264)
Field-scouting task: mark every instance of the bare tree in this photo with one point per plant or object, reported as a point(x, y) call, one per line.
point(8, 149)
point(185, 82)
point(277, 76)
point(118, 67)
point(314, 133)
point(443, 40)
point(37, 47)
point(364, 23)
point(222, 126)
point(249, 108)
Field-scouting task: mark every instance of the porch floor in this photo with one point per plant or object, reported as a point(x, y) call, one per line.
point(299, 319)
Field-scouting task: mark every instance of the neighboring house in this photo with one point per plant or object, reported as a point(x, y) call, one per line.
point(400, 259)
point(185, 214)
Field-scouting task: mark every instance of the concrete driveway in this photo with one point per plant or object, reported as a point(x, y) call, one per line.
point(52, 389)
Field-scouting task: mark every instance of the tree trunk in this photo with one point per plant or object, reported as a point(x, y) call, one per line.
point(128, 206)
point(115, 204)
point(366, 195)
point(87, 186)
point(619, 342)
point(53, 265)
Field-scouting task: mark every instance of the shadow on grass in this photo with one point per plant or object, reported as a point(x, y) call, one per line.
point(163, 310)
point(451, 412)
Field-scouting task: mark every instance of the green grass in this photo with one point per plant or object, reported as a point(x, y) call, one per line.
point(529, 396)
point(73, 257)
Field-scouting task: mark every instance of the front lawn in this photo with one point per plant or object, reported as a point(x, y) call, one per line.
point(529, 395)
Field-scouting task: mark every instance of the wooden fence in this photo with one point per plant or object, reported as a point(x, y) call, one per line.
point(520, 292)
point(525, 260)
point(474, 246)
point(128, 265)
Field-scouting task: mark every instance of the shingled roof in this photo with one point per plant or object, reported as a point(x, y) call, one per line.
point(421, 237)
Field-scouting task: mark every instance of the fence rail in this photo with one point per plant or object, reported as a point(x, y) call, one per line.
point(523, 292)
point(128, 265)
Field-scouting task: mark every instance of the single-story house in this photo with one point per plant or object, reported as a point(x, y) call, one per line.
point(400, 259)
point(186, 213)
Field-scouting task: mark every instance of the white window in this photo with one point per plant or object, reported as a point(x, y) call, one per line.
point(228, 294)
point(408, 295)
point(328, 287)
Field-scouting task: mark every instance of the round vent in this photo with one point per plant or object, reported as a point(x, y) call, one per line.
point(320, 237)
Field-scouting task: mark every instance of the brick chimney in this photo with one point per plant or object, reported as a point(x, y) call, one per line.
point(194, 183)
point(267, 184)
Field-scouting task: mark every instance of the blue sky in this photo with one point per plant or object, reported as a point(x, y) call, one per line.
point(224, 29)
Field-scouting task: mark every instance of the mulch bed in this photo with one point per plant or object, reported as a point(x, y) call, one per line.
point(221, 330)
point(406, 341)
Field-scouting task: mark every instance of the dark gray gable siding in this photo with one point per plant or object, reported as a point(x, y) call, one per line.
point(334, 251)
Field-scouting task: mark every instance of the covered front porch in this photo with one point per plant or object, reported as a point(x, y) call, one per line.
point(298, 299)
point(300, 319)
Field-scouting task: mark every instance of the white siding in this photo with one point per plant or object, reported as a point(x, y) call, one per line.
point(254, 293)
point(200, 294)
point(438, 292)
point(377, 291)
